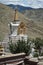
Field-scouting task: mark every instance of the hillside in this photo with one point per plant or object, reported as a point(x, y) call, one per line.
point(35, 28)
point(34, 14)
point(6, 14)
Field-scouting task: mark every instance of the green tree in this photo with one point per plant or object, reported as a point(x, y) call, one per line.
point(20, 46)
point(38, 43)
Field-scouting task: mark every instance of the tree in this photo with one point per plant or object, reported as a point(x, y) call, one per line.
point(38, 43)
point(20, 46)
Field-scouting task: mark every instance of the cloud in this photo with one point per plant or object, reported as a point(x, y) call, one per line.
point(27, 3)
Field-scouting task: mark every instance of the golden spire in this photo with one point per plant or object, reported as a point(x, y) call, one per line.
point(15, 15)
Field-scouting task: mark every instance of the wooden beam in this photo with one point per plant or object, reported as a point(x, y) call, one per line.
point(12, 58)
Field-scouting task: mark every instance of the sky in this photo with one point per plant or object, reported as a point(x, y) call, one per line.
point(26, 3)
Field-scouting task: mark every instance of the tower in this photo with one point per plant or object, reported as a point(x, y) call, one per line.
point(14, 26)
point(17, 28)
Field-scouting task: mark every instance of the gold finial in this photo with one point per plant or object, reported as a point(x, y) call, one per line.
point(15, 15)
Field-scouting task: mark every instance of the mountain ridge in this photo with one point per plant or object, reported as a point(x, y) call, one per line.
point(19, 7)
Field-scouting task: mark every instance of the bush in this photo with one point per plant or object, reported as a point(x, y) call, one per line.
point(41, 54)
point(20, 46)
point(12, 48)
point(36, 54)
point(38, 43)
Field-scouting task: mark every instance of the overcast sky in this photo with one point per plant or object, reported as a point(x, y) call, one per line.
point(27, 3)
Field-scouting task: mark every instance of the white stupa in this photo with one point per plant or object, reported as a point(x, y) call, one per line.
point(17, 29)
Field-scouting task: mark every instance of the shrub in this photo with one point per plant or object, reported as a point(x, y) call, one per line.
point(38, 43)
point(41, 54)
point(36, 54)
point(20, 46)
